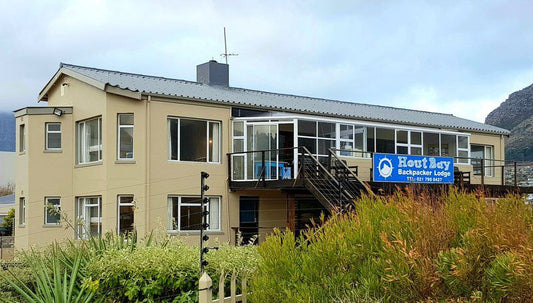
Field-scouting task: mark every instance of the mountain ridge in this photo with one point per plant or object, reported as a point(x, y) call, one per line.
point(516, 115)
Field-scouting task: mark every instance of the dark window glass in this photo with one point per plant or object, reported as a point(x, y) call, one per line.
point(385, 140)
point(307, 128)
point(326, 130)
point(174, 139)
point(193, 140)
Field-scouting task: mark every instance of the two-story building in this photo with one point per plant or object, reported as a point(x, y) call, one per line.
point(115, 151)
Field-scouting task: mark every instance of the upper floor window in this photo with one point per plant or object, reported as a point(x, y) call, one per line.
point(52, 210)
point(53, 136)
point(194, 140)
point(22, 140)
point(125, 136)
point(483, 159)
point(89, 140)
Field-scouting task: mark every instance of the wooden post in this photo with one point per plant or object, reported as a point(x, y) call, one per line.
point(221, 294)
point(205, 292)
point(244, 290)
point(233, 287)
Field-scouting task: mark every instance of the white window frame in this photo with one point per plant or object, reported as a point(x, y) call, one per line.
point(22, 211)
point(82, 233)
point(48, 131)
point(208, 123)
point(119, 204)
point(180, 204)
point(120, 126)
point(467, 149)
point(57, 208)
point(409, 144)
point(81, 141)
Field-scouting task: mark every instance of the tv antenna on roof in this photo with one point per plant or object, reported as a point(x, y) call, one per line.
point(225, 54)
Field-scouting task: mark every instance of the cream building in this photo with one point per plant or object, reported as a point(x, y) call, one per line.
point(114, 151)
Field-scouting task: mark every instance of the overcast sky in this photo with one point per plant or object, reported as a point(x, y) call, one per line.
point(462, 58)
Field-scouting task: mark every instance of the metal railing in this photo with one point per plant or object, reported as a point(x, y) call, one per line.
point(280, 164)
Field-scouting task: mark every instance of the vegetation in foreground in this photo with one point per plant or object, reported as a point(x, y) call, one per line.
point(118, 269)
point(405, 248)
point(455, 248)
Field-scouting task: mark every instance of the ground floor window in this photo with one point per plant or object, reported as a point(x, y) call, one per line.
point(185, 213)
point(89, 217)
point(52, 210)
point(126, 208)
point(22, 211)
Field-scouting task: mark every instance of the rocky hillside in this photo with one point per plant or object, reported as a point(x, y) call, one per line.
point(7, 131)
point(516, 115)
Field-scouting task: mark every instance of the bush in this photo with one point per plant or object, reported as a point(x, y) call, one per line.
point(119, 269)
point(405, 248)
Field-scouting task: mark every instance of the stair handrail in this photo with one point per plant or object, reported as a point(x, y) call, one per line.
point(365, 185)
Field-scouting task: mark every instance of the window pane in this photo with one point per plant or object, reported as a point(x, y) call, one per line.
point(126, 119)
point(173, 139)
point(359, 138)
point(307, 128)
point(193, 140)
point(92, 140)
point(477, 152)
point(214, 214)
point(431, 144)
point(126, 143)
point(238, 167)
point(22, 142)
point(238, 128)
point(53, 209)
point(416, 138)
point(326, 130)
point(447, 148)
point(402, 150)
point(324, 146)
point(53, 126)
point(401, 136)
point(174, 213)
point(191, 217)
point(310, 144)
point(370, 139)
point(347, 149)
point(238, 145)
point(463, 157)
point(54, 140)
point(126, 216)
point(416, 151)
point(462, 141)
point(346, 131)
point(214, 142)
point(385, 140)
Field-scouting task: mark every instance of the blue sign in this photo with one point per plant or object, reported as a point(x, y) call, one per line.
point(412, 169)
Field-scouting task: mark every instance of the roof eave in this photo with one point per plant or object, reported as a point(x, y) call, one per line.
point(43, 95)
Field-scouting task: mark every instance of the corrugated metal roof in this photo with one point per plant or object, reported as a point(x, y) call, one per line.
point(279, 102)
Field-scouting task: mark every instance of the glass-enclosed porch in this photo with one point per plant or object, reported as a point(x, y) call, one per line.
point(265, 148)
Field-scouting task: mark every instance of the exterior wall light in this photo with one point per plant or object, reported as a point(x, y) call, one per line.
point(58, 112)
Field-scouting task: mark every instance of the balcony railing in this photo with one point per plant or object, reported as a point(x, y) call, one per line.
point(283, 164)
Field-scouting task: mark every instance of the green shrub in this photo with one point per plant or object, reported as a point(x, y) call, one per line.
point(408, 247)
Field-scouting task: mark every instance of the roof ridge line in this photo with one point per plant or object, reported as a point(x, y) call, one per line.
point(62, 64)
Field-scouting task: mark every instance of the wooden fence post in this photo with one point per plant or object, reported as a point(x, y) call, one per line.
point(205, 291)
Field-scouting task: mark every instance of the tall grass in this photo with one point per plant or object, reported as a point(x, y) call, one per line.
point(405, 248)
